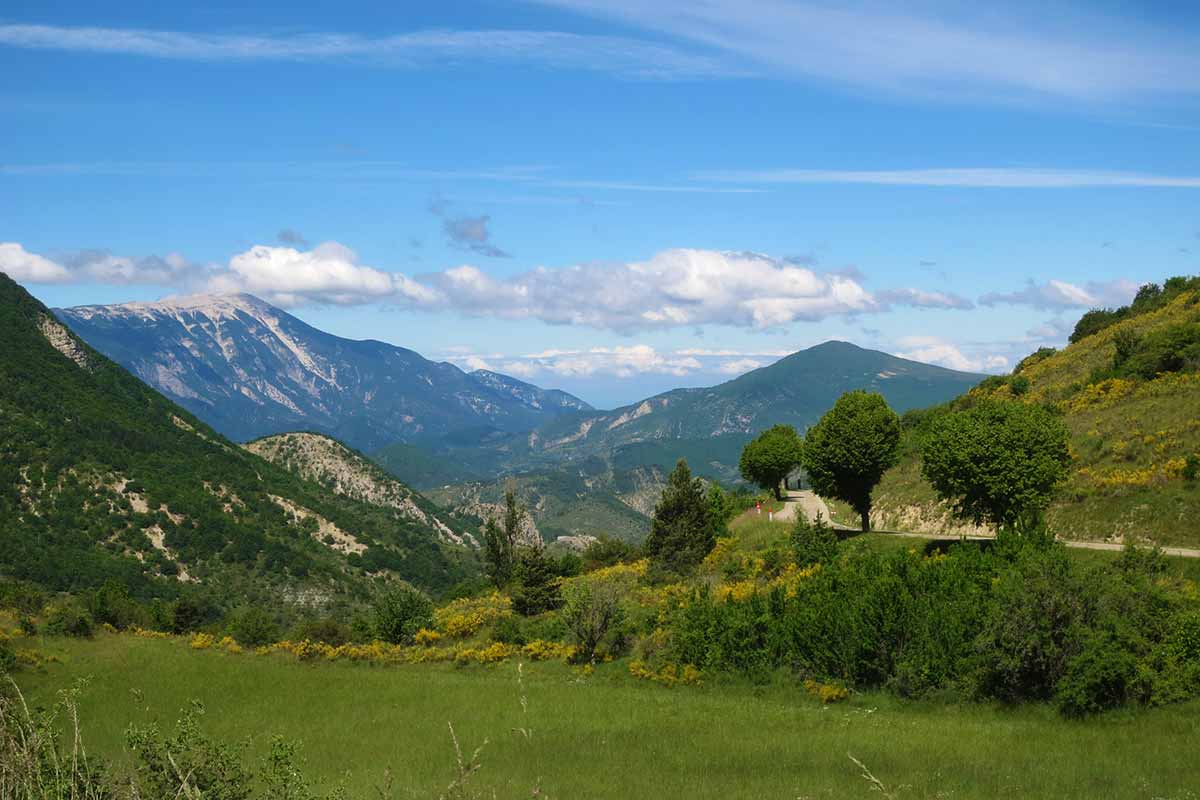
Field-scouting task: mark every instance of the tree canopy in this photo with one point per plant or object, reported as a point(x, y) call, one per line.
point(998, 462)
point(683, 530)
point(769, 459)
point(847, 452)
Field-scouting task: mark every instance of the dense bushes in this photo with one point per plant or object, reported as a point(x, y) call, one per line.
point(1018, 622)
point(1150, 297)
point(399, 613)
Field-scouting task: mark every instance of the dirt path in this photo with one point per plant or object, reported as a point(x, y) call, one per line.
point(811, 505)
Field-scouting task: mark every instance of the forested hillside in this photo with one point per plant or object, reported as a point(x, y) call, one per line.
point(101, 477)
point(1128, 389)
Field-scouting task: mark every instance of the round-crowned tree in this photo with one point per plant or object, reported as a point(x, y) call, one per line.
point(847, 452)
point(998, 462)
point(768, 459)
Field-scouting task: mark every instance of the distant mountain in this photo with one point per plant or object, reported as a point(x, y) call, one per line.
point(251, 370)
point(710, 425)
point(102, 477)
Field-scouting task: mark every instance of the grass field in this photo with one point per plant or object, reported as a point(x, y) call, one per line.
point(609, 736)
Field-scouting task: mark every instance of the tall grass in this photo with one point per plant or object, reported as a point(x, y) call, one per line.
point(608, 735)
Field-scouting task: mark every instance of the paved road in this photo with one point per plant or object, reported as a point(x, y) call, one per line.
point(804, 500)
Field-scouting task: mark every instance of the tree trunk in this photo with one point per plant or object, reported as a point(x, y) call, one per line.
point(778, 494)
point(866, 519)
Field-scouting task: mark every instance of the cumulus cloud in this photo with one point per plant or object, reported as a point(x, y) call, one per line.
point(674, 288)
point(22, 265)
point(1056, 294)
point(329, 273)
point(98, 266)
point(932, 350)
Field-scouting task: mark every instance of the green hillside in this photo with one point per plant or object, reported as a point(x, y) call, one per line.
point(590, 499)
point(101, 477)
point(1129, 391)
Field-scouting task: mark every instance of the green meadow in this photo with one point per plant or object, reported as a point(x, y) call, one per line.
point(607, 735)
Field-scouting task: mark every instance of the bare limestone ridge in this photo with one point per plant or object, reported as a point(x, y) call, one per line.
point(250, 369)
point(324, 460)
point(63, 341)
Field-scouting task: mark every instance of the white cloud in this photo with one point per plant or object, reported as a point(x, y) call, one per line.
point(329, 273)
point(923, 299)
point(974, 177)
point(21, 265)
point(1056, 294)
point(738, 366)
point(637, 58)
point(673, 288)
point(956, 50)
point(932, 350)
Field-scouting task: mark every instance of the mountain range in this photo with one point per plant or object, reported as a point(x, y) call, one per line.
point(249, 370)
point(252, 370)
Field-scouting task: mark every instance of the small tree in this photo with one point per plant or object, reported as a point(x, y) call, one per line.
point(500, 543)
point(847, 452)
point(769, 459)
point(592, 611)
point(537, 583)
point(998, 462)
point(682, 531)
point(397, 615)
point(813, 542)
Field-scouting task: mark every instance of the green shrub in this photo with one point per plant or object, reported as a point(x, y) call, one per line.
point(1029, 634)
point(813, 542)
point(70, 619)
point(8, 658)
point(593, 613)
point(536, 590)
point(325, 629)
point(253, 627)
point(398, 614)
point(509, 631)
point(1101, 676)
point(607, 551)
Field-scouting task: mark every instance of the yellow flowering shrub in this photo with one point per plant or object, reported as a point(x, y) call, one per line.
point(1102, 394)
point(426, 637)
point(230, 645)
point(541, 650)
point(725, 547)
point(667, 675)
point(466, 616)
point(145, 634)
point(202, 641)
point(826, 692)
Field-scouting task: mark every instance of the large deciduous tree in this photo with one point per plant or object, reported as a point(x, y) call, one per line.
point(768, 459)
point(998, 462)
point(683, 530)
point(847, 452)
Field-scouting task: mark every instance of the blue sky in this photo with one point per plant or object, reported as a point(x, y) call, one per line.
point(612, 197)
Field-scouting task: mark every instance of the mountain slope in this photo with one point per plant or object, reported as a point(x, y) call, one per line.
point(326, 461)
point(711, 425)
point(1131, 436)
point(250, 370)
point(102, 477)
